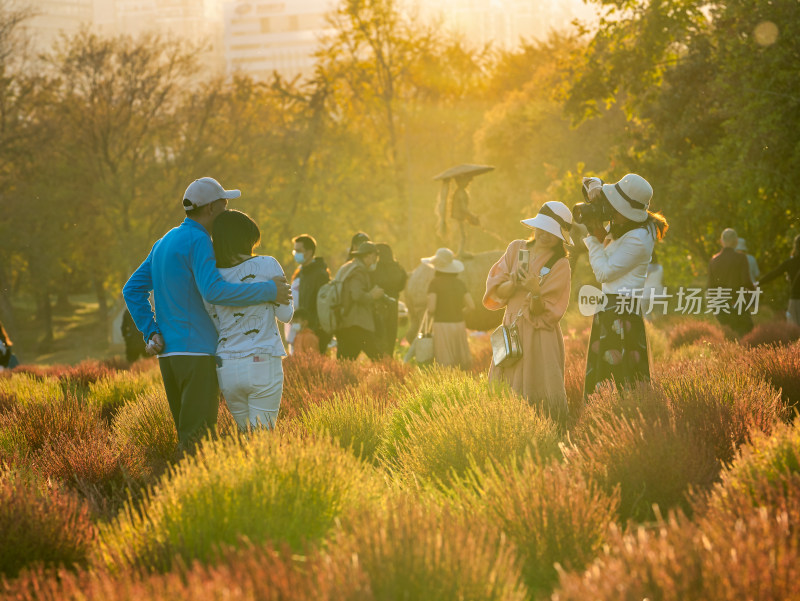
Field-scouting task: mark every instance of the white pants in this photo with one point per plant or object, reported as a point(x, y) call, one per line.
point(252, 387)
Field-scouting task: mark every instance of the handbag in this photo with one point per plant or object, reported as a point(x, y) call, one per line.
point(506, 346)
point(421, 349)
point(423, 345)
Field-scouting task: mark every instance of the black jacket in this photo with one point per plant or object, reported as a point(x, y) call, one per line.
point(312, 277)
point(390, 276)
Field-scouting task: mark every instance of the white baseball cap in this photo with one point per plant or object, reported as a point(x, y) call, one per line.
point(554, 217)
point(204, 191)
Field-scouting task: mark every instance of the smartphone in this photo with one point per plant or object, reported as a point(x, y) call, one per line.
point(524, 259)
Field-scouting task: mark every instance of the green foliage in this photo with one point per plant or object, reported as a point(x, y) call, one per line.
point(145, 428)
point(270, 487)
point(444, 431)
point(355, 420)
point(408, 551)
point(109, 394)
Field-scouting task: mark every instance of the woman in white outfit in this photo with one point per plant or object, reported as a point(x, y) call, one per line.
point(249, 349)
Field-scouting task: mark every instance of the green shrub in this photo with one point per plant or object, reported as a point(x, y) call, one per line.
point(423, 390)
point(145, 429)
point(411, 551)
point(488, 425)
point(273, 488)
point(111, 392)
point(551, 513)
point(40, 525)
point(25, 388)
point(760, 468)
point(355, 420)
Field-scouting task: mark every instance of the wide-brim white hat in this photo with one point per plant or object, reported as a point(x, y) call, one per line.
point(554, 217)
point(444, 261)
point(630, 196)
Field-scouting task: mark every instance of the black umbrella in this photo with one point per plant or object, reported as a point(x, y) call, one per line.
point(465, 169)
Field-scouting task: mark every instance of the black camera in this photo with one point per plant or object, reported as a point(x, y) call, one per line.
point(596, 209)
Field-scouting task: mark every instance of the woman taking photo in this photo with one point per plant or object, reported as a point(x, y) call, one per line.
point(619, 257)
point(447, 299)
point(531, 281)
point(249, 349)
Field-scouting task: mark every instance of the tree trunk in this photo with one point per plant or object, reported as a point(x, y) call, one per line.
point(6, 310)
point(102, 306)
point(45, 317)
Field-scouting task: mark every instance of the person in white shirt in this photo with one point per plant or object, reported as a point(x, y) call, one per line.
point(249, 349)
point(619, 256)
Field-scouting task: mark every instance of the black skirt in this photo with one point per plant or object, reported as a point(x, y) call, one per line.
point(617, 349)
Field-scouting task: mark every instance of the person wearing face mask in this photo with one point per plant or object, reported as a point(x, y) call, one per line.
point(356, 330)
point(311, 274)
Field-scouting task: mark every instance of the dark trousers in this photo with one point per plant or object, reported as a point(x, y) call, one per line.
point(351, 341)
point(324, 340)
point(193, 394)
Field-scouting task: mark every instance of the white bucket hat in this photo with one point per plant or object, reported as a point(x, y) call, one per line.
point(204, 191)
point(630, 196)
point(444, 261)
point(554, 217)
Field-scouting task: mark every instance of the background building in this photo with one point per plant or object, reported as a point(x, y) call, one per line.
point(266, 36)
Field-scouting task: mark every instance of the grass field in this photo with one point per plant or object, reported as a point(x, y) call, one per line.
point(390, 481)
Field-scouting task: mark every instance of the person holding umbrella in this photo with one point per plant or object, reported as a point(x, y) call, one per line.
point(459, 202)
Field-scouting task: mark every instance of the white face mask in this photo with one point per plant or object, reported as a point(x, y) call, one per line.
point(296, 327)
point(373, 267)
point(299, 257)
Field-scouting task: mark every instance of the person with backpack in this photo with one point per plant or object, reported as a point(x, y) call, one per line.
point(531, 281)
point(391, 277)
point(355, 321)
point(311, 274)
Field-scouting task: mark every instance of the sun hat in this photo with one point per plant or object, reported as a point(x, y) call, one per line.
point(444, 261)
point(366, 248)
point(741, 245)
point(554, 217)
point(630, 196)
point(204, 191)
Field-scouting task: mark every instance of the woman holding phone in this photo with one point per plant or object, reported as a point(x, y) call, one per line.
point(531, 281)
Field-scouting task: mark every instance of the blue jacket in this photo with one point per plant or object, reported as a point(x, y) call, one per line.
point(181, 271)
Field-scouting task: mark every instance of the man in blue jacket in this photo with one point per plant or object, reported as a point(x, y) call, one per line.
point(181, 271)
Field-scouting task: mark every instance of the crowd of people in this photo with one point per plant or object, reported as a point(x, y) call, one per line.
point(217, 306)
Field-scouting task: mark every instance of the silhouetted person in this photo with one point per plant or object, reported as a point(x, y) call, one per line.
point(729, 271)
point(391, 277)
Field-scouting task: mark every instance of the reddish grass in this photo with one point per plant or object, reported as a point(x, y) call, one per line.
point(780, 366)
point(41, 525)
point(311, 379)
point(750, 553)
point(247, 574)
point(693, 331)
point(652, 461)
point(776, 332)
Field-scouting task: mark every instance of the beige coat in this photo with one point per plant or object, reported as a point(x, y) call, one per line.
point(356, 299)
point(539, 374)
